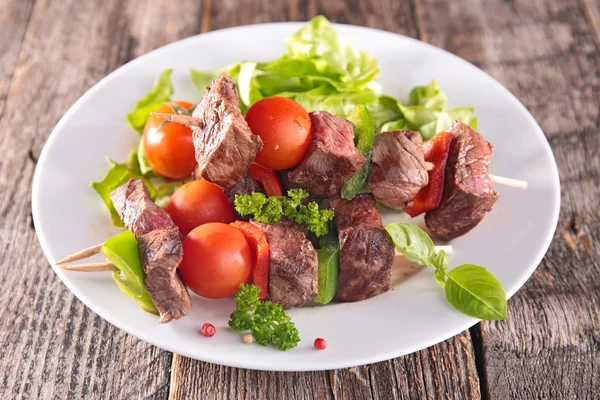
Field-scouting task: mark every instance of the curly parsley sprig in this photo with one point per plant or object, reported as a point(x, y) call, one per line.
point(267, 321)
point(270, 210)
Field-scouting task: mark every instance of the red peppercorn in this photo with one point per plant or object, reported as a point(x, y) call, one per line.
point(320, 344)
point(208, 330)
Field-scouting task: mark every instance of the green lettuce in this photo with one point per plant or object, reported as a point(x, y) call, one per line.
point(426, 112)
point(321, 70)
point(118, 175)
point(161, 93)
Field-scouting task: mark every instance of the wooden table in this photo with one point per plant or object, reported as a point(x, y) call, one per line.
point(545, 51)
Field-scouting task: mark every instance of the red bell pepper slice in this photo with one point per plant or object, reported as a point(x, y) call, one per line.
point(268, 178)
point(436, 152)
point(259, 247)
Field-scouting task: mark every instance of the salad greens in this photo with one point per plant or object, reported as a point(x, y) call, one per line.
point(329, 268)
point(267, 321)
point(322, 71)
point(117, 175)
point(137, 166)
point(161, 93)
point(426, 112)
point(471, 289)
point(270, 210)
point(364, 135)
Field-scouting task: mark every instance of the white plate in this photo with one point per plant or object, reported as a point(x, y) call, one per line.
point(510, 242)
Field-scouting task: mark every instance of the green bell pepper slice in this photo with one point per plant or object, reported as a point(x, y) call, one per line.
point(122, 251)
point(364, 136)
point(329, 267)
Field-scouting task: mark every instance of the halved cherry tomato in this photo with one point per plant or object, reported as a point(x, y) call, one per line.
point(216, 260)
point(168, 146)
point(267, 177)
point(199, 202)
point(284, 127)
point(436, 152)
point(259, 247)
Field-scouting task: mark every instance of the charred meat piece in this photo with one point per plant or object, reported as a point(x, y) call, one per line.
point(224, 145)
point(246, 186)
point(293, 264)
point(331, 158)
point(468, 191)
point(398, 171)
point(159, 243)
point(366, 250)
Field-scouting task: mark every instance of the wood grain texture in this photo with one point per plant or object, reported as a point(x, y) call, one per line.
point(445, 370)
point(547, 54)
point(51, 345)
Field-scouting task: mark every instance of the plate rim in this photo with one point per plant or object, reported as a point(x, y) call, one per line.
point(325, 364)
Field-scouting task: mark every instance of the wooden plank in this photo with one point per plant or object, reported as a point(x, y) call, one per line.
point(445, 370)
point(546, 53)
point(52, 345)
point(14, 17)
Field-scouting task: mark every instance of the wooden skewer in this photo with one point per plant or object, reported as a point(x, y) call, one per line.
point(498, 180)
point(447, 249)
point(180, 119)
point(85, 253)
point(513, 183)
point(91, 267)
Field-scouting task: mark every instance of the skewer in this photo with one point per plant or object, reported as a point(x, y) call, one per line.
point(91, 267)
point(85, 253)
point(180, 119)
point(447, 249)
point(513, 183)
point(498, 180)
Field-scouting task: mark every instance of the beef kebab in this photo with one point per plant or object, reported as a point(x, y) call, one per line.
point(293, 264)
point(225, 146)
point(399, 171)
point(366, 249)
point(331, 159)
point(159, 244)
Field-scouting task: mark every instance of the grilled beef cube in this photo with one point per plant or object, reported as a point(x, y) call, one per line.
point(293, 264)
point(161, 253)
point(224, 145)
point(331, 158)
point(137, 210)
point(366, 249)
point(159, 244)
point(468, 191)
point(246, 186)
point(398, 170)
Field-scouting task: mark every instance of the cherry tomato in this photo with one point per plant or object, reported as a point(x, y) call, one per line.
point(199, 202)
point(284, 127)
point(168, 146)
point(216, 260)
point(267, 178)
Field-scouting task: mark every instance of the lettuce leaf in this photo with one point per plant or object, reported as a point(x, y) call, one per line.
point(162, 92)
point(426, 112)
point(117, 175)
point(321, 70)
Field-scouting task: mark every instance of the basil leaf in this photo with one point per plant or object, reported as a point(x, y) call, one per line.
point(412, 242)
point(473, 290)
point(161, 93)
